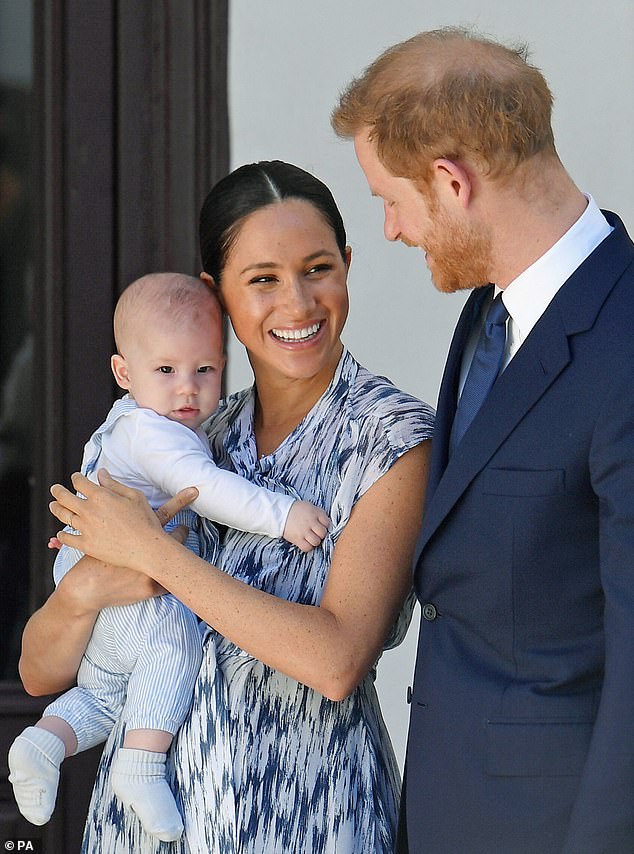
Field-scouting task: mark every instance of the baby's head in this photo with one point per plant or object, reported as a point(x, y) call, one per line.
point(168, 332)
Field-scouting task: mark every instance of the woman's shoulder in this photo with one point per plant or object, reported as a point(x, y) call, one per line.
point(384, 413)
point(376, 396)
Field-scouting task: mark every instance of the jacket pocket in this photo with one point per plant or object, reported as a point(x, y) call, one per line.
point(547, 748)
point(523, 482)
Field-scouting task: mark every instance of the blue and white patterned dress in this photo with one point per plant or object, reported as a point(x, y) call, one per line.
point(265, 764)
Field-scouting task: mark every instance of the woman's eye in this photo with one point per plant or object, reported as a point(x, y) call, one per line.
point(166, 369)
point(319, 268)
point(262, 280)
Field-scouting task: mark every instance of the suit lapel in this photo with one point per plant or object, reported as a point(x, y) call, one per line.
point(448, 394)
point(538, 363)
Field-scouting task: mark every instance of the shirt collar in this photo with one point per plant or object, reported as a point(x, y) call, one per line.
point(527, 297)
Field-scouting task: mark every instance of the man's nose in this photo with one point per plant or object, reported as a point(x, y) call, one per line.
point(390, 224)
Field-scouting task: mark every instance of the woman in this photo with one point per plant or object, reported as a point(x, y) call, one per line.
point(285, 749)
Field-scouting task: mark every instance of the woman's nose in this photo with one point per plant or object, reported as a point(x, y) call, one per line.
point(299, 296)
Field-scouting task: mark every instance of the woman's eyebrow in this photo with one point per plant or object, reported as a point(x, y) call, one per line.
point(262, 265)
point(268, 265)
point(317, 254)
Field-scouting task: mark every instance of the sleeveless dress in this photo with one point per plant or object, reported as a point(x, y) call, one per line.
point(264, 764)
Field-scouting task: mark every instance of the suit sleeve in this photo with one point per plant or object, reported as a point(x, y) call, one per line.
point(602, 819)
point(171, 457)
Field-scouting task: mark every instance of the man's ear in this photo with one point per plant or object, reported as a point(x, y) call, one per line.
point(452, 182)
point(211, 284)
point(120, 370)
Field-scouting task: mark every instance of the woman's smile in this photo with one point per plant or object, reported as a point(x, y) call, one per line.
point(298, 336)
point(284, 288)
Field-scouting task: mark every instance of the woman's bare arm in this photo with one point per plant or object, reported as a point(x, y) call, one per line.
point(330, 647)
point(56, 635)
point(53, 641)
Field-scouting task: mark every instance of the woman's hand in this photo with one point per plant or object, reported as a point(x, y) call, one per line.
point(115, 523)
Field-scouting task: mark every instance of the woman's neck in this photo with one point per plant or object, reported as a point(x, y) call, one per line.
point(283, 402)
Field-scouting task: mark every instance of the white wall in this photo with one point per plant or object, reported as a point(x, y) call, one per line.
point(289, 60)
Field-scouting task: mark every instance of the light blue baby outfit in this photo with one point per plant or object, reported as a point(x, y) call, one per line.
point(264, 764)
point(142, 660)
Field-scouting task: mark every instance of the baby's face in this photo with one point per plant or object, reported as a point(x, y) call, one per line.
point(175, 368)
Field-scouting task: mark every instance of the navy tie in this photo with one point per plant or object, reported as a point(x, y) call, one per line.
point(485, 367)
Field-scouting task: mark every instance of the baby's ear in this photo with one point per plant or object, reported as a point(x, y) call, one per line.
point(120, 370)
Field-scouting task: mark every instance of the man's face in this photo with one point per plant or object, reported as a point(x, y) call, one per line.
point(457, 254)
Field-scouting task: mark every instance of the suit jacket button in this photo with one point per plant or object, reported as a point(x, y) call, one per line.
point(409, 694)
point(429, 611)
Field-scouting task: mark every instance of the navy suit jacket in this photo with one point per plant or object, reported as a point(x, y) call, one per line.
point(522, 713)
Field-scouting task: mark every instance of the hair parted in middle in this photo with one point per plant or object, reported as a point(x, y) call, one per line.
point(246, 190)
point(450, 94)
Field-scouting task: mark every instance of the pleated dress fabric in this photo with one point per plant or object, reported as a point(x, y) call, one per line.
point(263, 763)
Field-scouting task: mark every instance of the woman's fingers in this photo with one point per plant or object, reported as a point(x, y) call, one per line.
point(168, 510)
point(110, 519)
point(61, 512)
point(65, 500)
point(164, 513)
point(105, 479)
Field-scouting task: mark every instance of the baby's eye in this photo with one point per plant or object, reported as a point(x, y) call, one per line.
point(205, 369)
point(166, 369)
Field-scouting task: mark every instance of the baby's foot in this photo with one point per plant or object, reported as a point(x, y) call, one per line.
point(138, 780)
point(34, 761)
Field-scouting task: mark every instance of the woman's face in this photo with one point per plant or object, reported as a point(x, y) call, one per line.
point(284, 289)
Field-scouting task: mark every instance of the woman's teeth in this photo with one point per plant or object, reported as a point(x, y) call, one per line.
point(297, 334)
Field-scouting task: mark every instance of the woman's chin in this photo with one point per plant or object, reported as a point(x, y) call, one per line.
point(304, 359)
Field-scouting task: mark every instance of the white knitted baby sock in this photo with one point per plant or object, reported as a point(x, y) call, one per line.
point(34, 760)
point(138, 779)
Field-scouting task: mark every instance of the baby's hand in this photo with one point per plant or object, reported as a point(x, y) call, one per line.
point(306, 525)
point(54, 543)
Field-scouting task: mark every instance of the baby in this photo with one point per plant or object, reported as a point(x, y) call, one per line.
point(142, 660)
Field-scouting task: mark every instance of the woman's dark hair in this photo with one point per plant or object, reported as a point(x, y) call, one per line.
point(246, 190)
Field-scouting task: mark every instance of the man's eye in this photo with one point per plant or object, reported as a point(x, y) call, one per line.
point(166, 369)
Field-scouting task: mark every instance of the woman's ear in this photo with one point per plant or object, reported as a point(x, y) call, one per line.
point(211, 284)
point(348, 257)
point(120, 370)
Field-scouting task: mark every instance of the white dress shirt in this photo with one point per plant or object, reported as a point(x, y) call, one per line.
point(528, 296)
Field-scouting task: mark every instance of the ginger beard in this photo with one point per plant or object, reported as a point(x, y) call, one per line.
point(458, 256)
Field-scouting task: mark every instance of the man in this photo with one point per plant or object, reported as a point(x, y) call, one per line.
point(522, 713)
